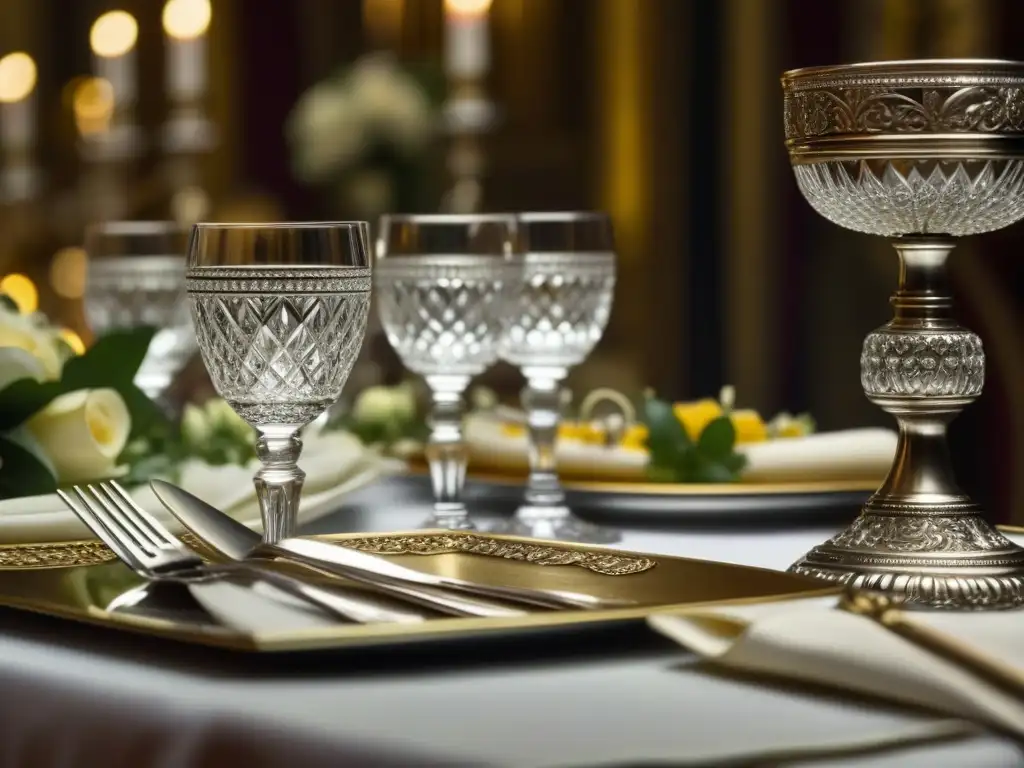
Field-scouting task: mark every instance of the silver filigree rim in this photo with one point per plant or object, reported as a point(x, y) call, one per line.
point(291, 280)
point(908, 73)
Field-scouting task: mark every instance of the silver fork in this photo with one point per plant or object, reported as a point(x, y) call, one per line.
point(149, 549)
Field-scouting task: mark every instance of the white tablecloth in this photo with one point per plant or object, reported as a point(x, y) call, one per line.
point(79, 697)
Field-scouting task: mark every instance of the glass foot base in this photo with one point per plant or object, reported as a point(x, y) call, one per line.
point(562, 526)
point(449, 523)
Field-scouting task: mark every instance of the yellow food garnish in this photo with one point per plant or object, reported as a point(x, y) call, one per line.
point(697, 415)
point(750, 427)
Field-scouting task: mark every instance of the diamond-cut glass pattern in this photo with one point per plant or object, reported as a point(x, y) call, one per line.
point(900, 197)
point(280, 358)
point(445, 318)
point(564, 305)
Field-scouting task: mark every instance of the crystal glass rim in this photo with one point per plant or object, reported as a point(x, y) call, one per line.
point(212, 225)
point(445, 218)
point(135, 228)
point(905, 67)
point(109, 241)
point(549, 217)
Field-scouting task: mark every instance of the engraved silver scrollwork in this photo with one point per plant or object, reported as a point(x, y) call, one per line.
point(924, 363)
point(921, 152)
point(882, 533)
point(837, 107)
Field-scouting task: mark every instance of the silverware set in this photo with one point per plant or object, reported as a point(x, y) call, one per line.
point(349, 585)
point(280, 312)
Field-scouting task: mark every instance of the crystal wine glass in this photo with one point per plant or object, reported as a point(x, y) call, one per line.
point(445, 285)
point(280, 311)
point(136, 277)
point(565, 299)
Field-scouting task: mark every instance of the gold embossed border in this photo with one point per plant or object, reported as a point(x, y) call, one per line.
point(66, 554)
point(80, 553)
point(606, 563)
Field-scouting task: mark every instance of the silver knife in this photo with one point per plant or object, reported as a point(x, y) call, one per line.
point(235, 542)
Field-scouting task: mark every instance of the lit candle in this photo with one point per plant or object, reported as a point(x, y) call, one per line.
point(185, 23)
point(17, 102)
point(467, 40)
point(112, 38)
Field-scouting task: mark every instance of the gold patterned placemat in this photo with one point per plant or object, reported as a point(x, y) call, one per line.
point(79, 553)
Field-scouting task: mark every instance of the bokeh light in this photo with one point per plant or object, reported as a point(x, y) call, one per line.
point(68, 272)
point(22, 292)
point(92, 104)
point(113, 34)
point(17, 77)
point(467, 7)
point(186, 19)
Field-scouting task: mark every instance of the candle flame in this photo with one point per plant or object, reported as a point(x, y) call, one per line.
point(17, 77)
point(113, 34)
point(467, 7)
point(186, 19)
point(93, 105)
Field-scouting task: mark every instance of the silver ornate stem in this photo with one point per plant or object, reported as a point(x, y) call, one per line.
point(279, 481)
point(542, 400)
point(919, 537)
point(446, 451)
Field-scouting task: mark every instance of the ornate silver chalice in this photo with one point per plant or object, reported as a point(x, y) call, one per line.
point(921, 152)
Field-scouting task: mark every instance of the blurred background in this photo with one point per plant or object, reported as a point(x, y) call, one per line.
point(666, 113)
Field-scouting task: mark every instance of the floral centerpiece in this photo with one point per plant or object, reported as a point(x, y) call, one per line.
point(66, 418)
point(362, 134)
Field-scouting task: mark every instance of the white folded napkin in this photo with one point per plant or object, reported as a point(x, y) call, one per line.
point(853, 454)
point(335, 463)
point(813, 640)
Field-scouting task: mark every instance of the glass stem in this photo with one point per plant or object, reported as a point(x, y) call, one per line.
point(279, 481)
point(542, 400)
point(446, 451)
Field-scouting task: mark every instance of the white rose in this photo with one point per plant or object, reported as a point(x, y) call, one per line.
point(403, 401)
point(326, 132)
point(23, 332)
point(391, 102)
point(16, 363)
point(83, 433)
point(195, 427)
point(373, 406)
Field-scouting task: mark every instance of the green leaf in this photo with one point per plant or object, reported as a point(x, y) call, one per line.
point(22, 472)
point(8, 303)
point(112, 361)
point(146, 415)
point(718, 439)
point(24, 398)
point(667, 440)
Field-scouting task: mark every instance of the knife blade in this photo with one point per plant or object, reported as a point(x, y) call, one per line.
point(235, 542)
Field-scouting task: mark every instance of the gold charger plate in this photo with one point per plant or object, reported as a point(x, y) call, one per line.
point(654, 583)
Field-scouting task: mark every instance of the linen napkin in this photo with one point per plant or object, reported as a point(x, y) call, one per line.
point(853, 454)
point(970, 665)
point(335, 463)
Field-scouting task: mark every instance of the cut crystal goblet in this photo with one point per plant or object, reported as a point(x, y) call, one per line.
point(920, 152)
point(565, 300)
point(136, 277)
point(280, 312)
point(445, 287)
